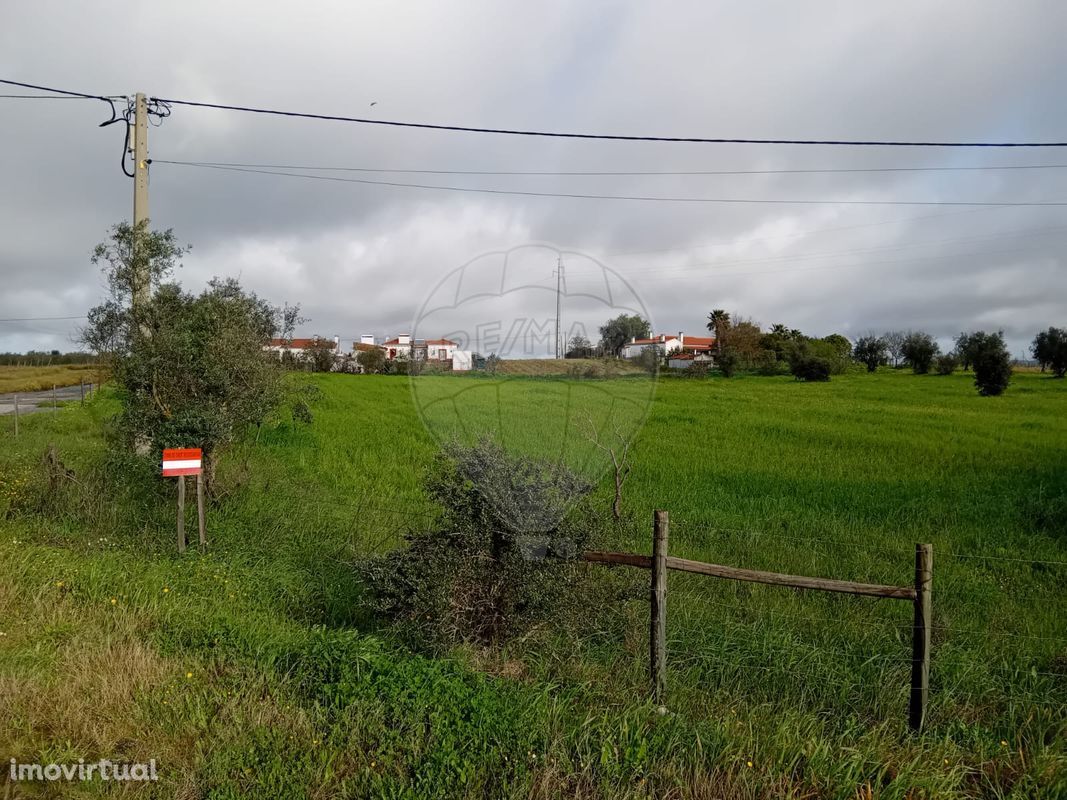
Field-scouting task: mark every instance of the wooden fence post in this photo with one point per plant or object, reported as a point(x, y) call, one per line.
point(658, 629)
point(181, 513)
point(920, 646)
point(53, 397)
point(16, 416)
point(200, 510)
point(81, 385)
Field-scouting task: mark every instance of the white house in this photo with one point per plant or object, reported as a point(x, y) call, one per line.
point(403, 346)
point(683, 360)
point(668, 343)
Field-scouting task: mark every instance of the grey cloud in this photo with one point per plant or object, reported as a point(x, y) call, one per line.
point(362, 258)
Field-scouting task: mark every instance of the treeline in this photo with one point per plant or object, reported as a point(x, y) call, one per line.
point(740, 344)
point(41, 358)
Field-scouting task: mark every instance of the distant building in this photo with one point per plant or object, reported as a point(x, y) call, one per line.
point(683, 360)
point(403, 346)
point(668, 343)
point(298, 348)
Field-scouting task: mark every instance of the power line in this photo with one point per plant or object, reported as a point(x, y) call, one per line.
point(599, 136)
point(639, 198)
point(43, 97)
point(69, 92)
point(624, 173)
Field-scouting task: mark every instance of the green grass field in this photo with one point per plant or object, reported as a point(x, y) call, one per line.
point(255, 670)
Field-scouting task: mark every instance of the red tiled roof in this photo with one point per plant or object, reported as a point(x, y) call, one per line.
point(441, 341)
point(392, 342)
point(301, 344)
point(694, 342)
point(363, 348)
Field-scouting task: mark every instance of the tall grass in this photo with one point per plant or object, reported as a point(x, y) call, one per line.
point(36, 379)
point(772, 692)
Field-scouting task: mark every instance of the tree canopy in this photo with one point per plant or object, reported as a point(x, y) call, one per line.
point(1050, 350)
point(190, 369)
point(618, 331)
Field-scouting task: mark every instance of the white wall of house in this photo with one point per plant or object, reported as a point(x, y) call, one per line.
point(666, 345)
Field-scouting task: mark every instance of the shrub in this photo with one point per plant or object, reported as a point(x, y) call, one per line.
point(497, 561)
point(372, 361)
point(767, 363)
point(810, 368)
point(728, 362)
point(814, 360)
point(946, 363)
point(919, 349)
point(992, 363)
point(697, 369)
point(321, 354)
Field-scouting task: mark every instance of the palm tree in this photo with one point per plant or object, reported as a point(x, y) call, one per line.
point(718, 323)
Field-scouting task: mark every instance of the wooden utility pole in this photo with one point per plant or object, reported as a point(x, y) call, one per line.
point(140, 190)
point(181, 514)
point(200, 510)
point(920, 644)
point(560, 348)
point(657, 638)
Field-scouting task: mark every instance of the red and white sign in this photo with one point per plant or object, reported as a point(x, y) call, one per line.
point(181, 462)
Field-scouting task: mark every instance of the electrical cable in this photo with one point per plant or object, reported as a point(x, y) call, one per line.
point(634, 173)
point(640, 198)
point(599, 136)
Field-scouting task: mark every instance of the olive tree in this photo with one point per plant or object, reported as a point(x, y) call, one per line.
point(1050, 350)
point(190, 369)
point(871, 352)
point(992, 363)
point(919, 349)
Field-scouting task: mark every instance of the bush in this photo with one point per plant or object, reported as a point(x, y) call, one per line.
point(814, 360)
point(728, 362)
point(372, 361)
point(992, 363)
point(497, 561)
point(810, 368)
point(767, 363)
point(946, 363)
point(697, 369)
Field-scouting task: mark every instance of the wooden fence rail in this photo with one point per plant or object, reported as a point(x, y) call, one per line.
point(659, 563)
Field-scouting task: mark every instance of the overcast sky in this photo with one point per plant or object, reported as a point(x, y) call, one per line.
point(364, 259)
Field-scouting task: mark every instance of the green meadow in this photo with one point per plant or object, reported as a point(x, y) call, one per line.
point(256, 669)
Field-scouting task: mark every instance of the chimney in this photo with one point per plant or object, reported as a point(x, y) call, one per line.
point(366, 338)
point(336, 342)
point(633, 339)
point(681, 338)
point(663, 337)
point(404, 338)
